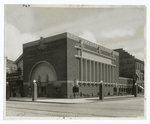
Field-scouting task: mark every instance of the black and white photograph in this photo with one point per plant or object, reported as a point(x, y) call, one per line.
point(74, 61)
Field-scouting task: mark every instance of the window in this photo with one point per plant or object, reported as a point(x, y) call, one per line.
point(142, 68)
point(136, 65)
point(115, 89)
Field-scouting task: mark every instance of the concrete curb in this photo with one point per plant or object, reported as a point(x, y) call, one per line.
point(85, 100)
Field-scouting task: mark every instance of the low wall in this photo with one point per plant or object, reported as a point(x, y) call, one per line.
point(125, 80)
point(125, 85)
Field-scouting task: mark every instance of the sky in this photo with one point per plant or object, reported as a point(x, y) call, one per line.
point(110, 26)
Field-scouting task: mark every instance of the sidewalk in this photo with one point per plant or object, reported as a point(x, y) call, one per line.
point(69, 101)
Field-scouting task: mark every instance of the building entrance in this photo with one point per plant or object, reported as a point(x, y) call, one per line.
point(42, 92)
point(44, 74)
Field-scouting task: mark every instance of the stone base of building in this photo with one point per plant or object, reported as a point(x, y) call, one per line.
point(66, 89)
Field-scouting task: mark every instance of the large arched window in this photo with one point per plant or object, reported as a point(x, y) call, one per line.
point(43, 70)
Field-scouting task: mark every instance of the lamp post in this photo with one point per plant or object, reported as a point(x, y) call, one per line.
point(101, 81)
point(34, 91)
point(76, 87)
point(135, 89)
point(76, 83)
point(101, 91)
point(7, 91)
point(116, 86)
point(135, 85)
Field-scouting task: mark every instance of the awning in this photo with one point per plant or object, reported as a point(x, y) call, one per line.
point(141, 87)
point(137, 74)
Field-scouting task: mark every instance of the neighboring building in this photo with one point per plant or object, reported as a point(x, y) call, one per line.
point(125, 85)
point(19, 63)
point(14, 78)
point(11, 67)
point(68, 66)
point(131, 67)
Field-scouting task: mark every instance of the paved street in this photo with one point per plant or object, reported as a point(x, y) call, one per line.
point(123, 107)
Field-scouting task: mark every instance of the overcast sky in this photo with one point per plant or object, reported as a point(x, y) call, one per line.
point(113, 27)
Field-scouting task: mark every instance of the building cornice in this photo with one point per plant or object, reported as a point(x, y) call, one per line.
point(78, 56)
point(96, 53)
point(46, 40)
point(89, 43)
point(71, 36)
point(125, 78)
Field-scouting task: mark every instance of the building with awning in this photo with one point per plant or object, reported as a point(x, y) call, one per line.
point(131, 67)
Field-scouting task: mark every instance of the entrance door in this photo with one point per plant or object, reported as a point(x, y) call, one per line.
point(44, 74)
point(43, 91)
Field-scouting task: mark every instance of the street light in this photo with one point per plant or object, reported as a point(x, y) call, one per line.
point(34, 91)
point(34, 81)
point(101, 91)
point(101, 82)
point(76, 83)
point(116, 84)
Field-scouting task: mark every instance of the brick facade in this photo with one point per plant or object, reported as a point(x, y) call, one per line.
point(63, 53)
point(131, 67)
point(73, 69)
point(55, 54)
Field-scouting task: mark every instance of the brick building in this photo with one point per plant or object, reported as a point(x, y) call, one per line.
point(131, 67)
point(14, 77)
point(66, 66)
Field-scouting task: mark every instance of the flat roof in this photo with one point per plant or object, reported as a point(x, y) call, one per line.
point(71, 36)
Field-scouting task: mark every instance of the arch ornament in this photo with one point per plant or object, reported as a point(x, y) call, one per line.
point(43, 69)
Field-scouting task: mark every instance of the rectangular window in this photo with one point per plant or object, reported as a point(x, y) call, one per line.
point(139, 66)
point(95, 77)
point(100, 71)
point(92, 71)
point(103, 72)
point(84, 70)
point(88, 70)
